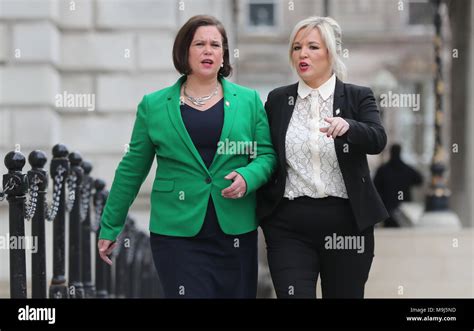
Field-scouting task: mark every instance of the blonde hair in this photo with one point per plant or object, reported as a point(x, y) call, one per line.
point(331, 34)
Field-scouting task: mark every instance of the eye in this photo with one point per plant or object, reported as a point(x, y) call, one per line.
point(313, 47)
point(296, 48)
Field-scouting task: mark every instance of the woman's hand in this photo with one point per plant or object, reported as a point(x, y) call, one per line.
point(338, 126)
point(238, 187)
point(105, 248)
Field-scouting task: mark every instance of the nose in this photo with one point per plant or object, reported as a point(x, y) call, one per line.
point(303, 53)
point(207, 49)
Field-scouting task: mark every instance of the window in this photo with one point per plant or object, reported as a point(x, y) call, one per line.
point(262, 14)
point(420, 13)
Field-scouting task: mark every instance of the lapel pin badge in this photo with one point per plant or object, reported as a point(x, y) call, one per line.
point(227, 103)
point(338, 111)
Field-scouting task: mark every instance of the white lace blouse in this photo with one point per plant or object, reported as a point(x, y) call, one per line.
point(313, 169)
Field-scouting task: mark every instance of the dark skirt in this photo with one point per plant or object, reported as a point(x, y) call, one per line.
point(211, 264)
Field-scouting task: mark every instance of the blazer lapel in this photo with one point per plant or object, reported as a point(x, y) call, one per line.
point(230, 108)
point(174, 113)
point(338, 111)
point(230, 111)
point(288, 106)
point(338, 99)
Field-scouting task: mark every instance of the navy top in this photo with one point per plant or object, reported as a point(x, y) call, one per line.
point(204, 128)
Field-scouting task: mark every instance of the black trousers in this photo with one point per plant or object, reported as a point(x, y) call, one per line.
point(307, 238)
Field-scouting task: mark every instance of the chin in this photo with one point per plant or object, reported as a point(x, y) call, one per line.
point(207, 74)
point(307, 75)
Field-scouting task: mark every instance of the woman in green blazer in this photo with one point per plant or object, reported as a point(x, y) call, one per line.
point(212, 143)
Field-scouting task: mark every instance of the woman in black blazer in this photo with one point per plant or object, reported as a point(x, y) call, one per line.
point(319, 209)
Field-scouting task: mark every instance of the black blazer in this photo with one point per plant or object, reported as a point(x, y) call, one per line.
point(366, 135)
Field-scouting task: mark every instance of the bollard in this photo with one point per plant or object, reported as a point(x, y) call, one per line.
point(15, 186)
point(38, 182)
point(76, 289)
point(89, 288)
point(102, 269)
point(59, 169)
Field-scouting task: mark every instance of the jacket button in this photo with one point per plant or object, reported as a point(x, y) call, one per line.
point(208, 180)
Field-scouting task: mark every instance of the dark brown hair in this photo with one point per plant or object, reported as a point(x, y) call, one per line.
point(184, 38)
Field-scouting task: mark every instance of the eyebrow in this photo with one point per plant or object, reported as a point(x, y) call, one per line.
point(311, 42)
point(212, 41)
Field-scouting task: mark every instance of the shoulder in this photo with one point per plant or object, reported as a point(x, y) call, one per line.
point(158, 99)
point(283, 91)
point(239, 90)
point(357, 91)
point(159, 95)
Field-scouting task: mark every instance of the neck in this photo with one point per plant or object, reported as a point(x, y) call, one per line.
point(317, 82)
point(200, 86)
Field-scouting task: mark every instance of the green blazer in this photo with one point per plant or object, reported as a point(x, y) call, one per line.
point(183, 183)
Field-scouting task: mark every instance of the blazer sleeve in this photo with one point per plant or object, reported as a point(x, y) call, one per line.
point(268, 107)
point(129, 176)
point(261, 168)
point(367, 131)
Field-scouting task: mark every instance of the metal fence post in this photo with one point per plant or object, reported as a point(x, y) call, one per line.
point(87, 182)
point(15, 186)
point(102, 269)
point(59, 169)
point(76, 289)
point(38, 180)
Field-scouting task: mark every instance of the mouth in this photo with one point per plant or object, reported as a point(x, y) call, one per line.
point(303, 66)
point(207, 61)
